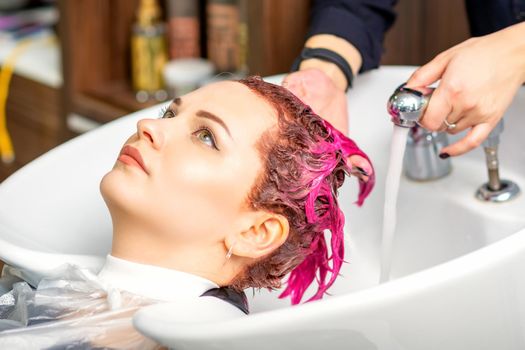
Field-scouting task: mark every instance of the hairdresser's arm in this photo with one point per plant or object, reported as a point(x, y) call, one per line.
point(354, 30)
point(322, 84)
point(362, 23)
point(479, 79)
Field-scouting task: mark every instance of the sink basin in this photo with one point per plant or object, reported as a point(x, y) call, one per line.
point(457, 268)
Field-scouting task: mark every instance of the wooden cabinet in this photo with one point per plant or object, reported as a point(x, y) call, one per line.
point(95, 36)
point(34, 121)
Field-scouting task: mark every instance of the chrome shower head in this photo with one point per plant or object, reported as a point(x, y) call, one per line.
point(407, 105)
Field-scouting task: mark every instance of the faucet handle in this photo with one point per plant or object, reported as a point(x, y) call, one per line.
point(407, 105)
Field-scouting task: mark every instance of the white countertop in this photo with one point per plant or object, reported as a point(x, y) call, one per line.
point(40, 62)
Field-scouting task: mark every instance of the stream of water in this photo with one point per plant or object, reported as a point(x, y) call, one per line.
point(393, 177)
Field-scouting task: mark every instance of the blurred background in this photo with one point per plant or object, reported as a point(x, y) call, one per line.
point(68, 66)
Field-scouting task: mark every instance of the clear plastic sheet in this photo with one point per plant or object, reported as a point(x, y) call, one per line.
point(69, 309)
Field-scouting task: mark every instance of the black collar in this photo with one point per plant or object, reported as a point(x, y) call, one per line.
point(229, 295)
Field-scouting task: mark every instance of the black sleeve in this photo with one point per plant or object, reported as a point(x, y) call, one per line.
point(363, 23)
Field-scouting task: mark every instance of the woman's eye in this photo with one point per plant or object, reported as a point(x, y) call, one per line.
point(205, 136)
point(167, 113)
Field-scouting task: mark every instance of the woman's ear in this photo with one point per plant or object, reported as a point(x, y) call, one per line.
point(267, 233)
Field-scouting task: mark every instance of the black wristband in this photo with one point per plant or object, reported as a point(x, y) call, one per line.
point(326, 55)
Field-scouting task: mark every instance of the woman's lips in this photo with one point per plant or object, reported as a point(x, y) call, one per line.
point(131, 156)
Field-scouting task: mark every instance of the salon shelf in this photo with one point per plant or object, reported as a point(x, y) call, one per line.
point(113, 100)
point(94, 36)
point(95, 40)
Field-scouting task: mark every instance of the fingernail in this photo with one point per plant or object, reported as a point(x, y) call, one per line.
point(444, 155)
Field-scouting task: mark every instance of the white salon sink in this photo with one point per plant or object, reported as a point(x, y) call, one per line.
point(443, 220)
point(458, 264)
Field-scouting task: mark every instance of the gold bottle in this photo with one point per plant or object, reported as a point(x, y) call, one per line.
point(148, 51)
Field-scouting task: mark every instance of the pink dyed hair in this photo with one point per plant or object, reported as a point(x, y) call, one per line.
point(305, 164)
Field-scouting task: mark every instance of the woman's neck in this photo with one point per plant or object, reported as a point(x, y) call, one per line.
point(136, 245)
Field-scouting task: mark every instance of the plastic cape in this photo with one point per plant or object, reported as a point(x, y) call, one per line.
point(70, 309)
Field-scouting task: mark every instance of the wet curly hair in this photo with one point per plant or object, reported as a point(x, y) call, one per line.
point(305, 163)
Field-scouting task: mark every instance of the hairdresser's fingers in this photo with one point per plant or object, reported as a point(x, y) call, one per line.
point(362, 166)
point(336, 112)
point(294, 84)
point(430, 72)
point(318, 91)
point(460, 126)
point(473, 139)
point(439, 108)
point(288, 81)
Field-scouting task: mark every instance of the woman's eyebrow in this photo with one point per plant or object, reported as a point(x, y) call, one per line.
point(205, 114)
point(211, 116)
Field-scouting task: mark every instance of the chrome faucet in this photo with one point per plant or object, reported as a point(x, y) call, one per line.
point(421, 162)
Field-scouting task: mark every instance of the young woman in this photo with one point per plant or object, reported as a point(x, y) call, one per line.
point(235, 186)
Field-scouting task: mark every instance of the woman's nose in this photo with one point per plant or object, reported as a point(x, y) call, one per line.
point(150, 131)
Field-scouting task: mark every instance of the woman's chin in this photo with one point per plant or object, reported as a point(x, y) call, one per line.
point(118, 191)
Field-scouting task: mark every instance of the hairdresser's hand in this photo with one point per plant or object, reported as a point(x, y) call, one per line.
point(315, 88)
point(328, 100)
point(479, 79)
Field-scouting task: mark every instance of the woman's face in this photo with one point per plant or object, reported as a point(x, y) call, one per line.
point(199, 164)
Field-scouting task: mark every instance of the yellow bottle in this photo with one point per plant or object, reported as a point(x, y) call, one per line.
point(148, 52)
